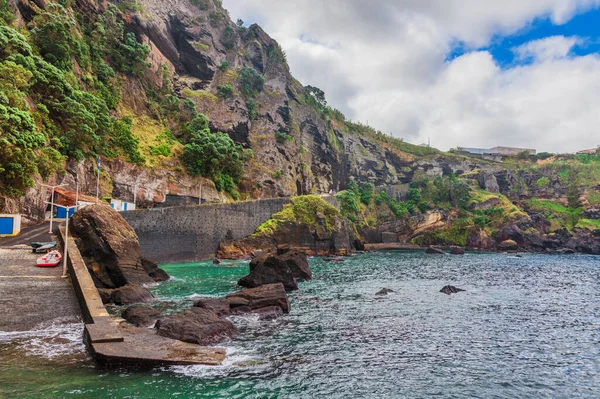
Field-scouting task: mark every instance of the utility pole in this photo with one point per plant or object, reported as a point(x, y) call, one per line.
point(98, 180)
point(77, 194)
point(52, 202)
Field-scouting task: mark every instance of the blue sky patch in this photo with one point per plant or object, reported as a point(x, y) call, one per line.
point(585, 26)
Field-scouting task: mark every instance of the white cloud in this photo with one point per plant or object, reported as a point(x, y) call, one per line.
point(384, 62)
point(546, 49)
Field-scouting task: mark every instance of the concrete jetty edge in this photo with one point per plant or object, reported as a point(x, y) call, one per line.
point(115, 343)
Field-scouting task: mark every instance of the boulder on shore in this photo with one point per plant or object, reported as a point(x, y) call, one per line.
point(111, 249)
point(269, 269)
point(141, 316)
point(450, 289)
point(197, 326)
point(260, 297)
point(130, 294)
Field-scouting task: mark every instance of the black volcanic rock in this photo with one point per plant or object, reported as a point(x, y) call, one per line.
point(196, 326)
point(450, 289)
point(269, 269)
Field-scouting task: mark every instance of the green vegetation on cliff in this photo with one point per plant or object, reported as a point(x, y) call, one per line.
point(49, 113)
point(308, 210)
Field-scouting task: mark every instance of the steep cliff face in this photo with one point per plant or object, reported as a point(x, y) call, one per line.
point(198, 55)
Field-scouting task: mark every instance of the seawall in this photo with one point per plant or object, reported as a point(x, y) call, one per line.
point(195, 232)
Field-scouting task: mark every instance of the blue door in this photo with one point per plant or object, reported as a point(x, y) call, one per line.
point(6, 225)
point(61, 213)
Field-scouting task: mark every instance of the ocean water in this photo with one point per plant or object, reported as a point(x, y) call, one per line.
point(525, 327)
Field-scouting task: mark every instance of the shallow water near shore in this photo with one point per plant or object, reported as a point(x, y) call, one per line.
point(524, 327)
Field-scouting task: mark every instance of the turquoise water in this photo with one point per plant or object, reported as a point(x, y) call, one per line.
point(525, 327)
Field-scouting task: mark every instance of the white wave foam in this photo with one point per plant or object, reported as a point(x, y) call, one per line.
point(237, 359)
point(60, 337)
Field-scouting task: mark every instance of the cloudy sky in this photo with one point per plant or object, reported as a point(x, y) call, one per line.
point(466, 73)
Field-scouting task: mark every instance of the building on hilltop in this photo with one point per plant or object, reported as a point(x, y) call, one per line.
point(589, 151)
point(514, 151)
point(494, 154)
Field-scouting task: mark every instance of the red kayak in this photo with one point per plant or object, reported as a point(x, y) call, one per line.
point(51, 259)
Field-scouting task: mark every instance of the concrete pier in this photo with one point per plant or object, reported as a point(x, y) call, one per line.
point(31, 295)
point(114, 342)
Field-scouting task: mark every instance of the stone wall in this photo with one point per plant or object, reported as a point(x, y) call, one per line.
point(194, 232)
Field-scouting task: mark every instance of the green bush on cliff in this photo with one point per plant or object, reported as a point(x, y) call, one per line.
point(543, 182)
point(306, 210)
point(251, 82)
point(6, 14)
point(213, 155)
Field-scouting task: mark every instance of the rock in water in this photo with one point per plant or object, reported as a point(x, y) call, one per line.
point(269, 269)
point(154, 271)
point(298, 263)
point(434, 251)
point(141, 316)
point(196, 326)
point(111, 248)
point(219, 306)
point(450, 289)
point(261, 297)
point(129, 294)
point(384, 291)
point(457, 251)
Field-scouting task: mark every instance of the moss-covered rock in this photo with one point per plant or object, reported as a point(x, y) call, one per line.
point(308, 223)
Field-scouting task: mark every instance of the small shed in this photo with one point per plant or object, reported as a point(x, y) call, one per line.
point(122, 206)
point(10, 225)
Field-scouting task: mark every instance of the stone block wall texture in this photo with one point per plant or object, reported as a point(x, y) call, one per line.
point(194, 232)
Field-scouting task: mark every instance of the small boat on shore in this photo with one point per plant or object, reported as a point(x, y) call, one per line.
point(51, 259)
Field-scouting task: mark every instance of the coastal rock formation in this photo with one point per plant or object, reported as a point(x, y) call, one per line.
point(129, 294)
point(308, 224)
point(219, 306)
point(384, 291)
point(450, 289)
point(252, 299)
point(141, 316)
point(457, 251)
point(269, 269)
point(297, 261)
point(197, 326)
point(508, 245)
point(111, 248)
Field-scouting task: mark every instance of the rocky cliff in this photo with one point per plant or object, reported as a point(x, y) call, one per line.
point(199, 61)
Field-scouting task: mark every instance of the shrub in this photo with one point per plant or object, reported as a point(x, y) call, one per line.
point(366, 193)
point(224, 66)
point(349, 204)
point(251, 105)
point(6, 13)
point(131, 56)
point(282, 137)
point(225, 91)
point(543, 182)
point(251, 82)
point(228, 37)
point(278, 174)
point(54, 36)
point(212, 155)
